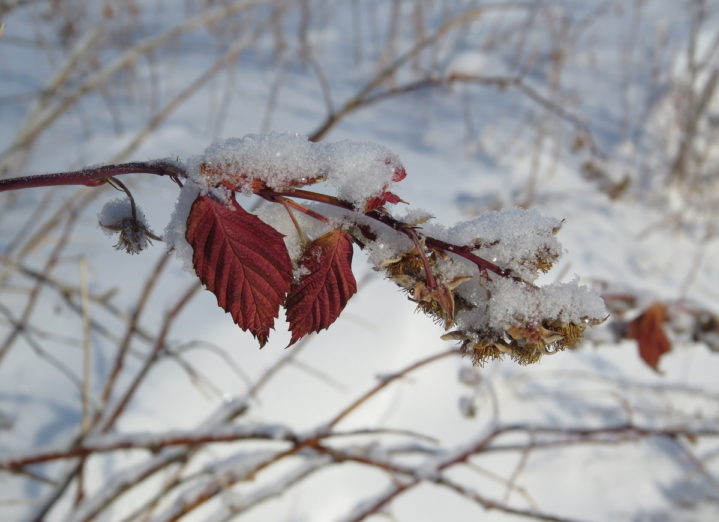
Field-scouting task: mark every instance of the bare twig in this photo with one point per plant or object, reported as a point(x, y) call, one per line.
point(93, 177)
point(360, 98)
point(32, 299)
point(86, 346)
point(32, 129)
point(132, 327)
point(170, 317)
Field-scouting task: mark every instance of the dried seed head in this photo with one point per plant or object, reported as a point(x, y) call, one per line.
point(498, 312)
point(406, 270)
point(134, 235)
point(482, 351)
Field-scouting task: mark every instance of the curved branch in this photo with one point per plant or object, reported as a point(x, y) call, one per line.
point(92, 177)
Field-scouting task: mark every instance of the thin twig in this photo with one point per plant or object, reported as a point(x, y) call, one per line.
point(132, 327)
point(170, 318)
point(94, 176)
point(32, 129)
point(87, 347)
point(33, 298)
point(359, 99)
point(385, 381)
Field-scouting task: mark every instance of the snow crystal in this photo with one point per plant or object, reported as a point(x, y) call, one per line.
point(276, 159)
point(359, 171)
point(114, 211)
point(510, 303)
point(517, 239)
point(412, 215)
point(388, 243)
point(175, 231)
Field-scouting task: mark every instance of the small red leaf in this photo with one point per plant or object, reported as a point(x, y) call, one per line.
point(649, 333)
point(242, 260)
point(399, 173)
point(318, 298)
point(378, 201)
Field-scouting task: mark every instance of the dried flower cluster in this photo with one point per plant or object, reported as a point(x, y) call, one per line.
point(495, 312)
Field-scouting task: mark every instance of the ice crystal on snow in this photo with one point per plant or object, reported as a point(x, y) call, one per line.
point(359, 171)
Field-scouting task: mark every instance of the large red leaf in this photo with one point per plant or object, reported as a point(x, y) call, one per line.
point(242, 260)
point(318, 298)
point(649, 333)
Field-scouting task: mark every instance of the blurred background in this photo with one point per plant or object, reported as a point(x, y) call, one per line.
point(127, 394)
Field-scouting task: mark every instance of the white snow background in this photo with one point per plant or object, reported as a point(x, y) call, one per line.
point(617, 69)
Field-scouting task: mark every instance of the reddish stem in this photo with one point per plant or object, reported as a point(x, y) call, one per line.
point(412, 233)
point(466, 252)
point(95, 176)
point(289, 203)
point(309, 195)
point(386, 219)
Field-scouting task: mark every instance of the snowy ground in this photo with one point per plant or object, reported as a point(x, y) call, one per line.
point(602, 82)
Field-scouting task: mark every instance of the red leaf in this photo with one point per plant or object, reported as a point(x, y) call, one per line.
point(647, 329)
point(242, 260)
point(319, 297)
point(398, 174)
point(378, 201)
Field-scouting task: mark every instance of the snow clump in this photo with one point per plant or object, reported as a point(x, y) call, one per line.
point(358, 171)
